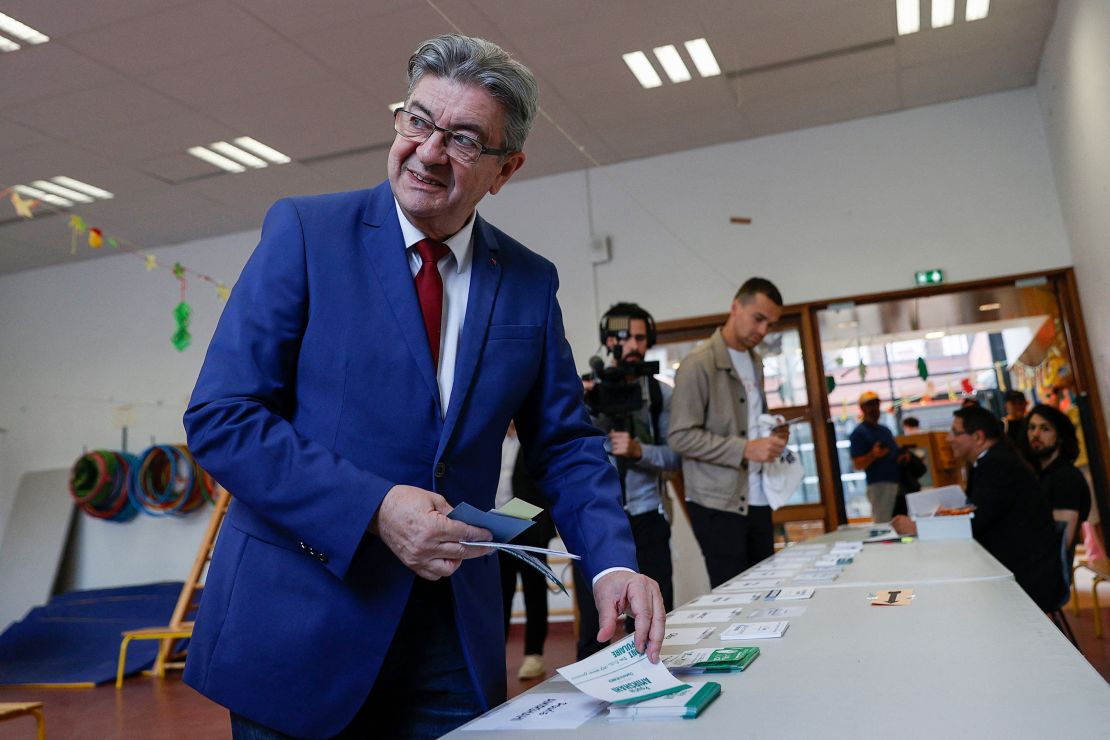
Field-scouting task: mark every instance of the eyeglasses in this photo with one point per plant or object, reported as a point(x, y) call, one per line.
point(460, 147)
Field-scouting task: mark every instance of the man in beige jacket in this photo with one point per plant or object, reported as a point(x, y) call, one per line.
point(717, 400)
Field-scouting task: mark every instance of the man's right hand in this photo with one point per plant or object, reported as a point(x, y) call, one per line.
point(413, 524)
point(879, 449)
point(765, 449)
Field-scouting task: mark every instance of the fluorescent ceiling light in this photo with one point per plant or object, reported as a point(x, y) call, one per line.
point(638, 62)
point(40, 195)
point(82, 187)
point(66, 193)
point(672, 63)
point(215, 159)
point(944, 12)
point(394, 106)
point(240, 156)
point(21, 31)
point(990, 307)
point(8, 45)
point(699, 51)
point(977, 10)
point(935, 334)
point(909, 16)
point(257, 147)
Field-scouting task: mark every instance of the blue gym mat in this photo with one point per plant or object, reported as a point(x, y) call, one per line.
point(74, 640)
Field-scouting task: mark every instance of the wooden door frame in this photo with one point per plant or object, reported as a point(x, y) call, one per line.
point(804, 317)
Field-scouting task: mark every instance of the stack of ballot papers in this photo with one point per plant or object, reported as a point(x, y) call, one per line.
point(711, 660)
point(755, 630)
point(687, 704)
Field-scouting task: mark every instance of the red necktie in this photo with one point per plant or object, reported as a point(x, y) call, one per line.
point(429, 289)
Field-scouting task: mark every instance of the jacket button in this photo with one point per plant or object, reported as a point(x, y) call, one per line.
point(441, 469)
point(322, 557)
point(303, 546)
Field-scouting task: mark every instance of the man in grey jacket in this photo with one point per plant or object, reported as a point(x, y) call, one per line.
point(717, 401)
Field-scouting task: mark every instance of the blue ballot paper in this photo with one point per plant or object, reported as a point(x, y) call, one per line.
point(503, 527)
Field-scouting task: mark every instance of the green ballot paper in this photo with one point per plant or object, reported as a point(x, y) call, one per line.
point(687, 704)
point(711, 660)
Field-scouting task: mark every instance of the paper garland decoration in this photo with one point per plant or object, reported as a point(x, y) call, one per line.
point(96, 238)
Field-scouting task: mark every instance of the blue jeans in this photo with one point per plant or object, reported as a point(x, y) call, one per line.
point(424, 689)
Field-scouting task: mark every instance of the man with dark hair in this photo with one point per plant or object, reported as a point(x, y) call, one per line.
point(638, 445)
point(875, 452)
point(718, 400)
point(911, 425)
point(355, 394)
point(1013, 520)
point(1054, 444)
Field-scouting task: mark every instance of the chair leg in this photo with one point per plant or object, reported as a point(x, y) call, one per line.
point(1075, 591)
point(1061, 621)
point(122, 660)
point(1097, 609)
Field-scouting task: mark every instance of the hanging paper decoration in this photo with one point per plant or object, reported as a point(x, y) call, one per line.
point(178, 271)
point(844, 411)
point(77, 228)
point(96, 238)
point(922, 368)
point(830, 383)
point(862, 370)
point(182, 338)
point(952, 394)
point(22, 205)
point(151, 263)
point(967, 386)
point(840, 360)
point(930, 390)
point(222, 292)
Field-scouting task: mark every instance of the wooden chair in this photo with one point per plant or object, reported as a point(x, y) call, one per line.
point(178, 628)
point(1101, 569)
point(11, 710)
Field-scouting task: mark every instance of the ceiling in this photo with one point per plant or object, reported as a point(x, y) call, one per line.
point(125, 87)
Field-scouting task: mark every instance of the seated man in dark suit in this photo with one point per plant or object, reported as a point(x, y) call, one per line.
point(1013, 519)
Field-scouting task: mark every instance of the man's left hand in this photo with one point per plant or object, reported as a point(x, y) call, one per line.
point(624, 591)
point(624, 444)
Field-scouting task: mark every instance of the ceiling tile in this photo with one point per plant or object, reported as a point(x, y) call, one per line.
point(176, 36)
point(72, 115)
point(50, 69)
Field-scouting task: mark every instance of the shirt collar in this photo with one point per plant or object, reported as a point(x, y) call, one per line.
point(460, 244)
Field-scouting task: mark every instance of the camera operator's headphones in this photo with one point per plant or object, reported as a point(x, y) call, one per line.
point(627, 311)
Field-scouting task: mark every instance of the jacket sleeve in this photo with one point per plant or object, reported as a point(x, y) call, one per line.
point(660, 457)
point(565, 455)
point(686, 433)
point(238, 421)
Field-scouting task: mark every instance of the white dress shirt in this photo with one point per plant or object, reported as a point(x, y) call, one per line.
point(454, 268)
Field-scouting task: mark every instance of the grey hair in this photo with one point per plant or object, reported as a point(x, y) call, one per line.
point(481, 63)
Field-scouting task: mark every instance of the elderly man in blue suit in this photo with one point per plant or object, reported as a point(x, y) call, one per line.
point(357, 388)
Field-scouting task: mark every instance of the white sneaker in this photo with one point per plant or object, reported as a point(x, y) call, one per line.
point(531, 667)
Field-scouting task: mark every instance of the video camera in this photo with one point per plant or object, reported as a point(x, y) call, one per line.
point(616, 391)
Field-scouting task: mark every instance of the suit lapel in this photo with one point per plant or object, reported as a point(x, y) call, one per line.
point(384, 246)
point(485, 278)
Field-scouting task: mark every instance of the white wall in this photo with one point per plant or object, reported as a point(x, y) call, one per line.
point(1074, 90)
point(853, 207)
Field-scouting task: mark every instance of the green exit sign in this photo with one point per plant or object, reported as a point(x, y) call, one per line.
point(928, 277)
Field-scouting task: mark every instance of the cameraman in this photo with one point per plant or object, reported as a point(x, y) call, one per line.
point(637, 445)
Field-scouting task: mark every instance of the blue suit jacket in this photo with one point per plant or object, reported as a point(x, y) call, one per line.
point(318, 395)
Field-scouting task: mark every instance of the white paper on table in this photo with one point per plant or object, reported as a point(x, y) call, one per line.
point(724, 600)
point(776, 612)
point(833, 561)
point(824, 575)
point(567, 710)
point(620, 673)
point(774, 570)
point(788, 594)
point(849, 547)
point(686, 635)
point(698, 616)
point(755, 630)
point(748, 584)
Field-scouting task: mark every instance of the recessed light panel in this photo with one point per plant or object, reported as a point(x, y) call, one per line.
point(637, 61)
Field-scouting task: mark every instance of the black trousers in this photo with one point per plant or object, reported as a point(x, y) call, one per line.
point(730, 542)
point(534, 586)
point(652, 534)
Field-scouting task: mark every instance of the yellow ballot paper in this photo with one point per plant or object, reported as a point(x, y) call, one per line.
point(621, 675)
point(519, 509)
point(893, 597)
